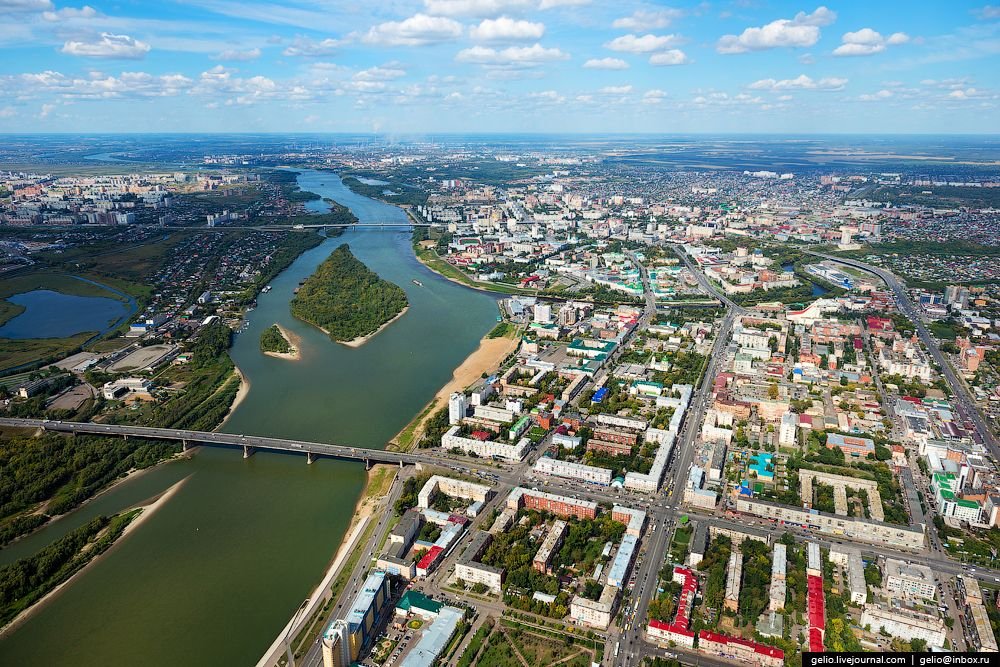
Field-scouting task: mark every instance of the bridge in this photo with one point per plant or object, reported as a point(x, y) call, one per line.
point(249, 443)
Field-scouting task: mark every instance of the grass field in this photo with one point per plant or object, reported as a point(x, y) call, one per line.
point(57, 282)
point(17, 352)
point(9, 311)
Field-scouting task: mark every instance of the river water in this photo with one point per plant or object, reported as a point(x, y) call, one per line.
point(213, 576)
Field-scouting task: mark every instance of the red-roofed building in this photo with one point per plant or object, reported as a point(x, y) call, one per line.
point(679, 631)
point(427, 564)
point(879, 323)
point(481, 435)
point(743, 650)
point(816, 605)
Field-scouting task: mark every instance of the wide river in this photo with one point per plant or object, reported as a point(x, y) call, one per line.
point(213, 576)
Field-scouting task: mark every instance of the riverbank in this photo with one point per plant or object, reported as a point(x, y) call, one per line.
point(361, 340)
point(311, 618)
point(486, 359)
point(295, 343)
point(145, 511)
point(241, 395)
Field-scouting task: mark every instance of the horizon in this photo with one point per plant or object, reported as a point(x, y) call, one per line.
point(415, 67)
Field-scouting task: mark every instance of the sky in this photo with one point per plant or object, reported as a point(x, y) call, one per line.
point(432, 66)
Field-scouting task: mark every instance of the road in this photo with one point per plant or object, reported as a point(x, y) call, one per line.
point(961, 393)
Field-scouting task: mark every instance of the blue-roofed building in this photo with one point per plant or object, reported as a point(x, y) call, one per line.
point(599, 395)
point(345, 637)
point(620, 566)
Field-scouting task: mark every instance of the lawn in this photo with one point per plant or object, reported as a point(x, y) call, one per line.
point(17, 352)
point(498, 653)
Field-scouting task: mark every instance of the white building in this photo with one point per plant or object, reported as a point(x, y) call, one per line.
point(457, 488)
point(485, 448)
point(458, 405)
point(909, 580)
point(591, 474)
point(904, 623)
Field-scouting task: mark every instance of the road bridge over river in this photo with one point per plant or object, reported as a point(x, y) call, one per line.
point(249, 443)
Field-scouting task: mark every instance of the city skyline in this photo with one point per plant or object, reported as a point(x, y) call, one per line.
point(436, 66)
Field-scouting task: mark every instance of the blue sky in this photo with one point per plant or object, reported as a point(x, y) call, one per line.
point(414, 66)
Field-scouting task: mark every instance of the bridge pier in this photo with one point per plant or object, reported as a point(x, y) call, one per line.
point(247, 451)
point(184, 446)
point(368, 464)
point(310, 458)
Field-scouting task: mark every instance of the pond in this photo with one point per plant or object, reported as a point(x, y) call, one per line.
point(50, 314)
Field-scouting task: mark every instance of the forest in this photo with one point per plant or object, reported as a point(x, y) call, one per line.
point(24, 582)
point(347, 299)
point(64, 471)
point(271, 340)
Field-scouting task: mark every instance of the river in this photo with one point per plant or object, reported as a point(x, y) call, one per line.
point(217, 571)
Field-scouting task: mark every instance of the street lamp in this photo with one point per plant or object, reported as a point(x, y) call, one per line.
point(289, 653)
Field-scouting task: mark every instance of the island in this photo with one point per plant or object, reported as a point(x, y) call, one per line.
point(276, 341)
point(347, 300)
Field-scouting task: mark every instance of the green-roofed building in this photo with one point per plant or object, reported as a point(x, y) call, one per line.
point(418, 603)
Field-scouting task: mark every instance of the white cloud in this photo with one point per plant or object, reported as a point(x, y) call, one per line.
point(554, 4)
point(866, 42)
point(309, 48)
point(616, 90)
point(46, 110)
point(669, 58)
point(801, 31)
point(967, 94)
point(654, 96)
point(475, 8)
point(548, 96)
point(68, 13)
point(513, 56)
point(237, 56)
point(108, 46)
point(641, 44)
point(875, 97)
point(801, 82)
point(505, 29)
point(418, 30)
point(644, 19)
point(380, 74)
point(7, 112)
point(605, 63)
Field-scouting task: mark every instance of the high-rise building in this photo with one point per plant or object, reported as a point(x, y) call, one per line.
point(458, 405)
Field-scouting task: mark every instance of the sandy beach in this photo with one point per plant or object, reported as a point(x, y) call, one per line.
point(294, 340)
point(361, 340)
point(241, 394)
point(146, 511)
point(487, 358)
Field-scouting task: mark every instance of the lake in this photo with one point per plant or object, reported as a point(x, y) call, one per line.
point(50, 314)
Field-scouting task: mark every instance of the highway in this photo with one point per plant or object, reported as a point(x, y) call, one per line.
point(960, 391)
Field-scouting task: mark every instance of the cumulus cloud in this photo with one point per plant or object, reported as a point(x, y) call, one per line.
point(866, 42)
point(236, 55)
point(476, 8)
point(68, 13)
point(645, 19)
point(875, 97)
point(800, 31)
point(654, 96)
point(505, 29)
point(616, 90)
point(309, 48)
point(418, 30)
point(641, 44)
point(801, 82)
point(380, 74)
point(669, 58)
point(605, 63)
point(511, 57)
point(108, 46)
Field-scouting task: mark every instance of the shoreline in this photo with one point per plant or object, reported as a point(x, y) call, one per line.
point(364, 509)
point(484, 359)
point(241, 395)
point(145, 511)
point(294, 341)
point(361, 340)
